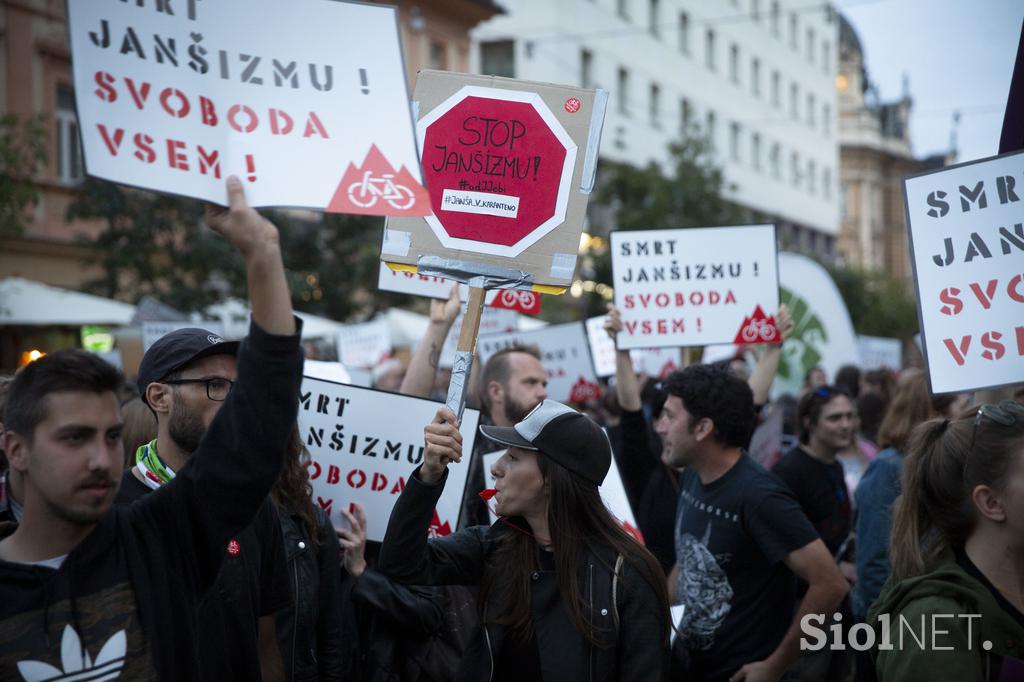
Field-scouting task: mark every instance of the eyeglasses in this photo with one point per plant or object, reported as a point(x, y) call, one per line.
point(1005, 413)
point(217, 388)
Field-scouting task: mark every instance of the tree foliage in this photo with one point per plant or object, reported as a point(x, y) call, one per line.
point(879, 304)
point(22, 154)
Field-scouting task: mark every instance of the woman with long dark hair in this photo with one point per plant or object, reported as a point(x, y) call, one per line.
point(957, 553)
point(565, 592)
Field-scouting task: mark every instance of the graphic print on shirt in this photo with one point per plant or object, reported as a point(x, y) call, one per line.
point(704, 588)
point(101, 640)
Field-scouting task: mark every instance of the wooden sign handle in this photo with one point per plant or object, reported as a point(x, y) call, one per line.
point(459, 385)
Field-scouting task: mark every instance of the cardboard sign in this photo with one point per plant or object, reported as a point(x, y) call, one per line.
point(404, 282)
point(612, 492)
point(877, 352)
point(364, 345)
point(695, 287)
point(304, 100)
point(361, 453)
point(508, 165)
point(564, 353)
point(151, 331)
point(493, 321)
point(967, 241)
point(655, 362)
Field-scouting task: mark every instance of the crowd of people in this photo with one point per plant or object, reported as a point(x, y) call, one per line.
point(173, 535)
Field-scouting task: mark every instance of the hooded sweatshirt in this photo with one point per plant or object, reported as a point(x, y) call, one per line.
point(122, 605)
point(953, 609)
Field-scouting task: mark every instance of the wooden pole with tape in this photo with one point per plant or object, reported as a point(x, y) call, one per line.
point(464, 351)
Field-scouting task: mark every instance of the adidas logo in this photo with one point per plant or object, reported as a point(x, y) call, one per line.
point(77, 663)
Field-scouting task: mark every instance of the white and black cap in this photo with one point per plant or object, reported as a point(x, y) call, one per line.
point(565, 436)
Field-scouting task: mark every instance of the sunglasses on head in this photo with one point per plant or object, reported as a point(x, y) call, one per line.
point(1006, 413)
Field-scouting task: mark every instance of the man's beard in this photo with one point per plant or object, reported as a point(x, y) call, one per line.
point(516, 412)
point(185, 428)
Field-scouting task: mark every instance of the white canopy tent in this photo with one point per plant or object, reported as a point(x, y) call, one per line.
point(24, 302)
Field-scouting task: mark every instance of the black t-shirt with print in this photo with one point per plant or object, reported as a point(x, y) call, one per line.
point(253, 582)
point(820, 489)
point(731, 538)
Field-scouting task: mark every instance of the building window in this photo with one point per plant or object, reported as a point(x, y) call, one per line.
point(654, 19)
point(776, 89)
point(498, 58)
point(755, 76)
point(438, 56)
point(586, 69)
point(685, 115)
point(755, 151)
point(734, 141)
point(826, 58)
point(622, 8)
point(826, 182)
point(794, 104)
point(709, 49)
point(655, 105)
point(810, 45)
point(793, 29)
point(755, 10)
point(684, 33)
point(794, 169)
point(710, 129)
point(775, 161)
point(734, 63)
point(812, 176)
point(826, 119)
point(844, 202)
point(776, 18)
point(69, 149)
point(623, 89)
point(811, 108)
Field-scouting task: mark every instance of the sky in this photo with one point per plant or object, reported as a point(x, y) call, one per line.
point(958, 55)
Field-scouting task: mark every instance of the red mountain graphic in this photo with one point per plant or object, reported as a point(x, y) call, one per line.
point(438, 529)
point(375, 188)
point(667, 369)
point(583, 390)
point(758, 328)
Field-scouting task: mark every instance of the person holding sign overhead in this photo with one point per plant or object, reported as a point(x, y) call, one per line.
point(565, 593)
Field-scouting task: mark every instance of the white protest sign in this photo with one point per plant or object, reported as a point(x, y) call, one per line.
point(492, 321)
point(151, 331)
point(967, 241)
point(329, 371)
point(656, 362)
point(564, 353)
point(696, 286)
point(429, 286)
point(878, 352)
point(613, 493)
point(362, 453)
point(365, 344)
point(305, 101)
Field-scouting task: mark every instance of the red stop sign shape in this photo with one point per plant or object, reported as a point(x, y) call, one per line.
point(497, 165)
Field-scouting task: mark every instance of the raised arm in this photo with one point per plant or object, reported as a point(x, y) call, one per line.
point(761, 378)
point(419, 378)
point(627, 388)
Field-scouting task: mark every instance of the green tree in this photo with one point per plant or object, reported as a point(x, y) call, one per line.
point(879, 304)
point(22, 155)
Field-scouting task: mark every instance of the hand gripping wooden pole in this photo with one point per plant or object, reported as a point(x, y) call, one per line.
point(463, 363)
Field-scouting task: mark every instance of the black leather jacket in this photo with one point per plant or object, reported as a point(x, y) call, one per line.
point(623, 601)
point(310, 631)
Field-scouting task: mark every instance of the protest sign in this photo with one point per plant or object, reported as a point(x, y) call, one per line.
point(493, 321)
point(967, 243)
point(405, 282)
point(176, 97)
point(365, 344)
point(697, 286)
point(565, 356)
point(613, 493)
point(655, 362)
point(151, 331)
point(361, 453)
point(509, 165)
point(877, 352)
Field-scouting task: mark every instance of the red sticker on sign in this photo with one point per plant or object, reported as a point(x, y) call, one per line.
point(758, 328)
point(526, 302)
point(572, 105)
point(584, 390)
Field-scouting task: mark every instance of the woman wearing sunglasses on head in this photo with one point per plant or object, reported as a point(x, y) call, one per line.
point(957, 553)
point(565, 593)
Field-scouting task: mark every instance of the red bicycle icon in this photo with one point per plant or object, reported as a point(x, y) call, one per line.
point(756, 329)
point(364, 194)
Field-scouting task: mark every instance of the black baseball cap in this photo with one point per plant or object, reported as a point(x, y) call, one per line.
point(565, 436)
point(173, 351)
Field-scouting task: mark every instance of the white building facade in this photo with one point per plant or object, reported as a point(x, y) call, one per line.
point(757, 75)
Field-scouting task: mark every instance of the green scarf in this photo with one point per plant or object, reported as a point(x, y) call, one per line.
point(154, 472)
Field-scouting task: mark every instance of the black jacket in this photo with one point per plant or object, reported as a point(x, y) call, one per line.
point(125, 598)
point(310, 632)
point(622, 601)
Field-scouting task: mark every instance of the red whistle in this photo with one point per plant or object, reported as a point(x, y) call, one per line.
point(487, 494)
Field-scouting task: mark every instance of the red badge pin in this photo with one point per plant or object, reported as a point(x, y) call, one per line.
point(234, 548)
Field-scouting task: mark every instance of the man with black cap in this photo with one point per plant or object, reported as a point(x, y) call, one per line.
point(94, 591)
point(565, 593)
point(185, 378)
